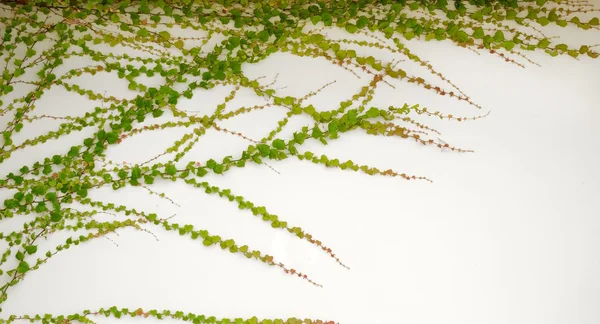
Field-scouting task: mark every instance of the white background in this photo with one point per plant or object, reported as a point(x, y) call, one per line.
point(508, 234)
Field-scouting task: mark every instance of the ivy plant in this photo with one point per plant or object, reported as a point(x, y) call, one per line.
point(38, 37)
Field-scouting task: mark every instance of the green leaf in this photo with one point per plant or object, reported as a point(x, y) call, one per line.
point(19, 72)
point(373, 112)
point(462, 36)
point(236, 67)
point(88, 142)
point(332, 127)
point(498, 36)
point(478, 33)
point(55, 216)
point(20, 256)
point(201, 172)
point(31, 249)
point(136, 172)
point(122, 174)
point(143, 32)
point(148, 179)
point(263, 35)
point(30, 52)
point(452, 30)
point(288, 100)
point(279, 144)
point(542, 44)
point(256, 158)
point(263, 149)
point(573, 53)
point(508, 45)
point(341, 54)
point(351, 28)
point(170, 169)
point(40, 207)
point(316, 132)
point(219, 168)
point(51, 196)
point(22, 267)
point(211, 163)
point(73, 152)
point(112, 138)
point(82, 193)
point(164, 35)
point(584, 49)
point(325, 115)
point(562, 47)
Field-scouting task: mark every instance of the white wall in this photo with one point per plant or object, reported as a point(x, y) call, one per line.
point(508, 234)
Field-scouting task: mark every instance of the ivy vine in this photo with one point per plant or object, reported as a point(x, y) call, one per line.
point(38, 37)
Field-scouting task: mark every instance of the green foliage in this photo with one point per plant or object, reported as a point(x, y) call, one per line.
point(50, 189)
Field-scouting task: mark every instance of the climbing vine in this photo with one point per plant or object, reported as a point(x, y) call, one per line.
point(50, 196)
